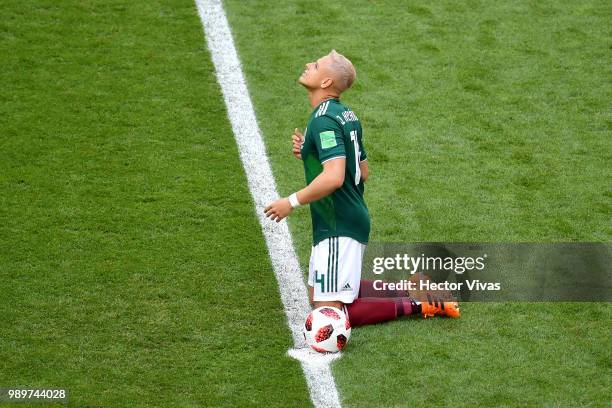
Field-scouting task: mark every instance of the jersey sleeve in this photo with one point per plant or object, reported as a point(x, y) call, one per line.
point(328, 137)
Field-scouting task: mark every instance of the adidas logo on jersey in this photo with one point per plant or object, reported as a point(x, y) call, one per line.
point(347, 287)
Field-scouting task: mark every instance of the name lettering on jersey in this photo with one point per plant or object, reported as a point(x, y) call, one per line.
point(349, 116)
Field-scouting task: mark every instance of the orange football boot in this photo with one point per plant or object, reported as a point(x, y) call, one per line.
point(436, 307)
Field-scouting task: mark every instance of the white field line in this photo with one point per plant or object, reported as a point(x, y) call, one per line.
point(316, 367)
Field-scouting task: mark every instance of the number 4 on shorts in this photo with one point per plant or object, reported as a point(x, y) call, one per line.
point(321, 280)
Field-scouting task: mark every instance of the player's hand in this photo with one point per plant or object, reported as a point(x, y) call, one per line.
point(278, 209)
point(298, 139)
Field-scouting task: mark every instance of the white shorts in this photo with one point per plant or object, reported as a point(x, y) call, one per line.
point(335, 269)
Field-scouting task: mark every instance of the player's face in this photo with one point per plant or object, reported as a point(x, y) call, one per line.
point(314, 73)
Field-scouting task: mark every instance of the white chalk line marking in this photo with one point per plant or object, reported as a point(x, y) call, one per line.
point(316, 367)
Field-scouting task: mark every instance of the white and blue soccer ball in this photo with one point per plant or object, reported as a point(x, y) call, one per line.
point(327, 330)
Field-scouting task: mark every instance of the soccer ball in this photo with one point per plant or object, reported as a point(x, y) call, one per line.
point(327, 329)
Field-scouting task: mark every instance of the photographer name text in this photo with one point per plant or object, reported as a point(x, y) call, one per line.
point(432, 286)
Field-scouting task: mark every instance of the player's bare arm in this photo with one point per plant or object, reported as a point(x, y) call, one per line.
point(325, 183)
point(330, 179)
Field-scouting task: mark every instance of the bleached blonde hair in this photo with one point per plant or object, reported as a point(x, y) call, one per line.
point(344, 69)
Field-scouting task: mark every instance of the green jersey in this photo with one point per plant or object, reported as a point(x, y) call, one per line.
point(334, 131)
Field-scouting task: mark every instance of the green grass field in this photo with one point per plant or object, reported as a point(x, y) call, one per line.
point(133, 270)
point(132, 265)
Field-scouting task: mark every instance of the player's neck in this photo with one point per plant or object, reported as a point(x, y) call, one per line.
point(321, 95)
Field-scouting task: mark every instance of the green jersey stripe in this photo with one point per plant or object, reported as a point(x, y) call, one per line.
point(331, 267)
point(333, 243)
point(336, 273)
point(329, 264)
point(333, 239)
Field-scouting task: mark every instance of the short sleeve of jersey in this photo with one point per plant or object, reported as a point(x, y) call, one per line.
point(328, 137)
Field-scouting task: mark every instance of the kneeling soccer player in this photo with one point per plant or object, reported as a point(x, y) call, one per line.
point(336, 167)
